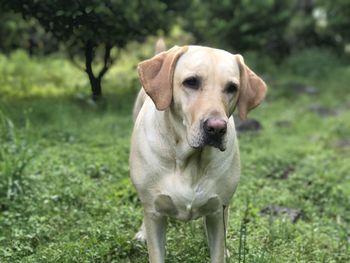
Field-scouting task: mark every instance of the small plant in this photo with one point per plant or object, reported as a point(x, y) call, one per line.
point(243, 234)
point(14, 157)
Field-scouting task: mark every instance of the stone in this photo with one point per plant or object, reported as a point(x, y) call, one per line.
point(322, 111)
point(249, 125)
point(304, 89)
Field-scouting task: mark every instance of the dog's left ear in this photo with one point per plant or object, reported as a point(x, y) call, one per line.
point(252, 89)
point(156, 75)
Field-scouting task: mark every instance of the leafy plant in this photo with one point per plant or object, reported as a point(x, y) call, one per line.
point(92, 28)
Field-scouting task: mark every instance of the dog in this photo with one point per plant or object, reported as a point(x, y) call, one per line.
point(184, 155)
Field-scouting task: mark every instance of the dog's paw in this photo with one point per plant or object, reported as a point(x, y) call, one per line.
point(141, 235)
point(227, 253)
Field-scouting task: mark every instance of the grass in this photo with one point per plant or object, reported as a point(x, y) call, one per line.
point(65, 195)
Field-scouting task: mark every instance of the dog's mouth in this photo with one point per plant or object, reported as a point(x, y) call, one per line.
point(216, 143)
point(203, 141)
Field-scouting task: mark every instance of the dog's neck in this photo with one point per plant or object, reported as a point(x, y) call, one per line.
point(172, 127)
point(183, 156)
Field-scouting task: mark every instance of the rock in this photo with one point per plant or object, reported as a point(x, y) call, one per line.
point(311, 90)
point(343, 143)
point(304, 89)
point(322, 110)
point(283, 124)
point(249, 125)
point(293, 214)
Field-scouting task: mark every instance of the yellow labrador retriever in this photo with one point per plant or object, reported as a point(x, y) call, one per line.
point(184, 159)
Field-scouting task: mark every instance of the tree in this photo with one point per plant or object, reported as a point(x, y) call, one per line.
point(241, 25)
point(336, 20)
point(85, 25)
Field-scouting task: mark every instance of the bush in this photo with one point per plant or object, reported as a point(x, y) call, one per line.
point(313, 62)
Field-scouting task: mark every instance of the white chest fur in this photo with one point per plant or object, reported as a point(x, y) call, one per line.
point(184, 201)
point(195, 189)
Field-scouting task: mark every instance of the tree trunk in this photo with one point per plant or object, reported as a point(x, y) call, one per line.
point(95, 87)
point(95, 82)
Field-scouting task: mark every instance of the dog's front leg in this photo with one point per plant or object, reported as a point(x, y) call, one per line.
point(215, 233)
point(155, 235)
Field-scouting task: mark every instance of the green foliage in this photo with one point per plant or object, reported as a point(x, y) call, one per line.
point(76, 22)
point(273, 27)
point(337, 19)
point(14, 157)
point(54, 77)
point(15, 32)
point(276, 28)
point(87, 26)
point(241, 25)
point(65, 193)
point(313, 62)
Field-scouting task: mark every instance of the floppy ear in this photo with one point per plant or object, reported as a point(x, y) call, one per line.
point(252, 89)
point(156, 75)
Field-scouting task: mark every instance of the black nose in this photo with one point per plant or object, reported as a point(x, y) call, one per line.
point(215, 127)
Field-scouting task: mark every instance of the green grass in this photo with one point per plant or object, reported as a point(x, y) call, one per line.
point(65, 194)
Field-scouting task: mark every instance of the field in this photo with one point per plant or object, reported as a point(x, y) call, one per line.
point(65, 193)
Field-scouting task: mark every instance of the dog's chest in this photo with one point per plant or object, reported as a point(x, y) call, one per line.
point(184, 202)
point(190, 193)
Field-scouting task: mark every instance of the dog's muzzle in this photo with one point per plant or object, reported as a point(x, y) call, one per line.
point(214, 132)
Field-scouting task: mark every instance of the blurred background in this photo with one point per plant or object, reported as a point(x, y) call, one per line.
point(68, 81)
point(96, 35)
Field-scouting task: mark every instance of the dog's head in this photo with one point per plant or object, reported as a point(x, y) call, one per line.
point(202, 86)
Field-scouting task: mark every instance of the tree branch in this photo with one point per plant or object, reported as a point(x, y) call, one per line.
point(89, 58)
point(107, 61)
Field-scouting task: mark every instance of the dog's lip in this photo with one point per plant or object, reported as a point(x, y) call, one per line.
point(218, 143)
point(221, 147)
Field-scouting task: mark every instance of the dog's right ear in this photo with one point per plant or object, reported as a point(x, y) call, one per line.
point(252, 89)
point(156, 75)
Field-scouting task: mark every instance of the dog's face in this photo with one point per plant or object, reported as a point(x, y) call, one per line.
point(202, 86)
point(205, 89)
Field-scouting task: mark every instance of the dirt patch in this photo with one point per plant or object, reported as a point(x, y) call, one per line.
point(292, 214)
point(281, 174)
point(323, 111)
point(283, 124)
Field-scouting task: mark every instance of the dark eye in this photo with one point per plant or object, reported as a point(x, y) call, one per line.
point(192, 83)
point(231, 88)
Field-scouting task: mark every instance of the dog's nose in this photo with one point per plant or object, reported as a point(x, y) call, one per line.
point(215, 127)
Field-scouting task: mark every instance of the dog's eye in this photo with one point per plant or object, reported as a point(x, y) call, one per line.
point(192, 83)
point(231, 88)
